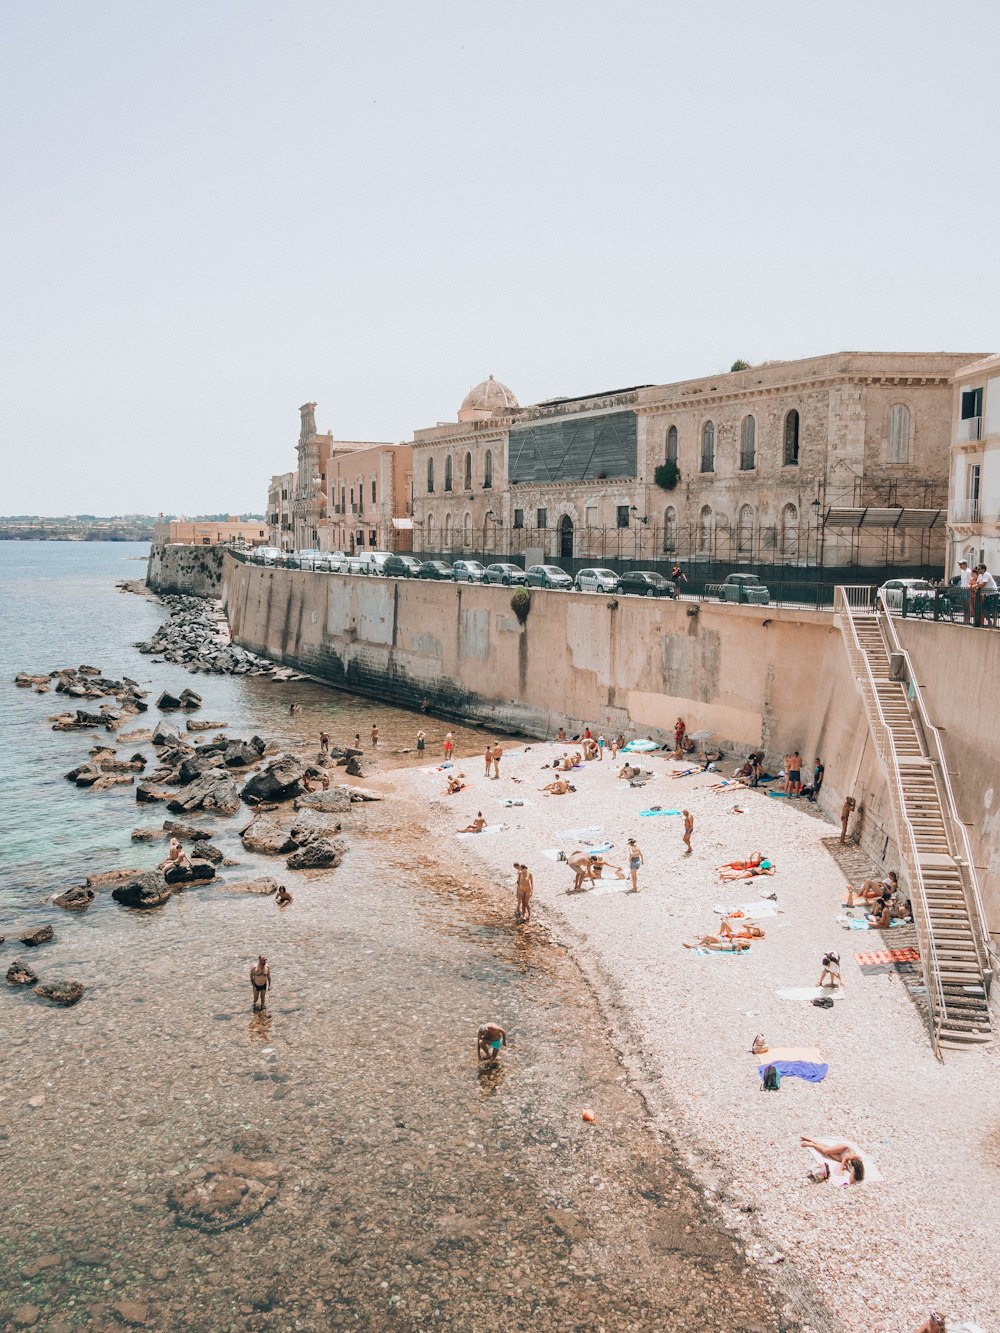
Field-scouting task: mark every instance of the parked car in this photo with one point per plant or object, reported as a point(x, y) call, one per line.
point(435, 569)
point(596, 580)
point(646, 583)
point(916, 591)
point(741, 588)
point(468, 571)
point(266, 555)
point(547, 576)
point(401, 567)
point(505, 573)
point(373, 562)
point(336, 562)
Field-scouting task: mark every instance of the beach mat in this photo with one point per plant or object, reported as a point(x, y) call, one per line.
point(718, 953)
point(490, 828)
point(590, 834)
point(858, 923)
point(650, 814)
point(810, 1071)
point(888, 956)
point(838, 1175)
point(762, 907)
point(809, 1053)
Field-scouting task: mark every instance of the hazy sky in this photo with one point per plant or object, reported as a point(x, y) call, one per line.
point(214, 210)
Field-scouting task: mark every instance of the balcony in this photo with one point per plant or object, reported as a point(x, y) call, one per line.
point(967, 511)
point(969, 429)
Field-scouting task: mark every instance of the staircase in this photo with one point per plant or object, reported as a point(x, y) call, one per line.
point(934, 846)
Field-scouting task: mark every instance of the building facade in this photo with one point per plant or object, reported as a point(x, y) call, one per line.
point(311, 502)
point(974, 495)
point(280, 521)
point(370, 506)
point(230, 531)
point(737, 467)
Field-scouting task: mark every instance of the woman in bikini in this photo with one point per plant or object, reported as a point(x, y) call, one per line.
point(753, 860)
point(842, 1153)
point(635, 860)
point(176, 856)
point(525, 888)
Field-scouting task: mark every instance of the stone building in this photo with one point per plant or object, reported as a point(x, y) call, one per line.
point(230, 531)
point(280, 494)
point(974, 495)
point(740, 466)
point(311, 504)
point(370, 499)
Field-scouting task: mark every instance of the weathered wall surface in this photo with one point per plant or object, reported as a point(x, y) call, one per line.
point(195, 571)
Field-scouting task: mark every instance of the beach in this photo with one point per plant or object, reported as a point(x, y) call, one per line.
point(881, 1253)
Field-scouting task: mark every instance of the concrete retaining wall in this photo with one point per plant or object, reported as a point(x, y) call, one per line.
point(194, 571)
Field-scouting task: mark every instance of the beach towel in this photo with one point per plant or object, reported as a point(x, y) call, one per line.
point(752, 910)
point(809, 993)
point(857, 923)
point(612, 886)
point(718, 953)
point(590, 834)
point(490, 828)
point(776, 794)
point(554, 854)
point(808, 1070)
point(838, 1174)
point(888, 956)
point(639, 747)
point(811, 1054)
point(599, 851)
point(510, 802)
point(650, 814)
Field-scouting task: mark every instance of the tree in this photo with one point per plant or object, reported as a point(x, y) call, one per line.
point(739, 365)
point(667, 475)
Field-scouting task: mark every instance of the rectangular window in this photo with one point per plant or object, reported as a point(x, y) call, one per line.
point(972, 403)
point(543, 518)
point(373, 490)
point(622, 516)
point(518, 518)
point(590, 516)
point(371, 539)
point(361, 539)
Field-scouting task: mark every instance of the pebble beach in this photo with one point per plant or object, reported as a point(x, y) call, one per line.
point(880, 1254)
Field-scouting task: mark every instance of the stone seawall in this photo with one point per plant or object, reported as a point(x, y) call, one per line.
point(195, 571)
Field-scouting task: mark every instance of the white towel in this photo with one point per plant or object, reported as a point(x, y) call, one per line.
point(490, 828)
point(838, 1173)
point(758, 908)
point(593, 834)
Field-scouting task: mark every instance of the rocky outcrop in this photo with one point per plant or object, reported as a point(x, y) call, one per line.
point(280, 781)
point(321, 854)
point(146, 793)
point(195, 724)
point(206, 852)
point(146, 890)
point(238, 754)
point(197, 636)
point(214, 791)
point(354, 769)
point(334, 801)
point(267, 836)
point(198, 872)
point(61, 992)
point(227, 1193)
point(263, 885)
point(166, 734)
point(186, 832)
point(20, 974)
point(75, 900)
point(108, 879)
point(41, 935)
point(312, 824)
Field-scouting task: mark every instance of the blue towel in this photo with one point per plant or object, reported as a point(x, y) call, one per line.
point(812, 1073)
point(650, 813)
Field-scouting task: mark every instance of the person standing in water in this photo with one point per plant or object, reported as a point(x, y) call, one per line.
point(525, 888)
point(324, 743)
point(497, 756)
point(688, 830)
point(635, 860)
point(491, 1038)
point(260, 980)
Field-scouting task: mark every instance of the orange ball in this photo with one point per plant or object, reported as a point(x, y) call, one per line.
point(588, 1115)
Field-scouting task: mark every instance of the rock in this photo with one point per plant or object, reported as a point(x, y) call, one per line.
point(121, 765)
point(25, 1316)
point(136, 737)
point(224, 1194)
point(195, 765)
point(318, 855)
point(88, 671)
point(145, 890)
point(196, 872)
point(130, 1312)
point(194, 725)
point(20, 974)
point(185, 832)
point(112, 780)
point(86, 775)
point(364, 794)
point(266, 835)
point(280, 781)
point(25, 681)
point(166, 734)
point(567, 1225)
point(41, 935)
point(263, 885)
point(238, 754)
point(190, 699)
point(312, 824)
point(61, 992)
point(167, 700)
point(147, 834)
point(109, 878)
point(146, 793)
point(334, 801)
point(213, 790)
point(206, 852)
point(354, 768)
point(75, 900)
point(81, 770)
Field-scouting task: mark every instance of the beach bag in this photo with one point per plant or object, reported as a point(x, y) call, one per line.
point(759, 1046)
point(772, 1079)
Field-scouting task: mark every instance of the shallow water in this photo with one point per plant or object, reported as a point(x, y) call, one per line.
point(416, 1190)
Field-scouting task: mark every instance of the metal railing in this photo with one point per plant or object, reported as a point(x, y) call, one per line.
point(851, 599)
point(967, 511)
point(958, 839)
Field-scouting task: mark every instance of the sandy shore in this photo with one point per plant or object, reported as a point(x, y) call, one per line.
point(882, 1253)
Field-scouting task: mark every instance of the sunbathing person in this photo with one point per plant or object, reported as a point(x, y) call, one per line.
point(880, 916)
point(455, 784)
point(740, 928)
point(558, 788)
point(628, 771)
point(477, 825)
point(842, 1153)
point(720, 944)
point(684, 773)
point(872, 889)
point(752, 872)
point(754, 859)
point(710, 757)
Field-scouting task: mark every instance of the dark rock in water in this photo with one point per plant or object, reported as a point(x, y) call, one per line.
point(86, 776)
point(319, 855)
point(75, 900)
point(35, 937)
point(354, 768)
point(168, 700)
point(110, 878)
point(266, 835)
point(194, 766)
point(81, 770)
point(197, 872)
point(206, 852)
point(194, 724)
point(147, 834)
point(257, 743)
point(83, 670)
point(224, 1194)
point(238, 754)
point(350, 752)
point(213, 790)
point(166, 734)
point(146, 890)
point(263, 885)
point(334, 801)
point(146, 793)
point(186, 832)
point(61, 992)
point(190, 699)
point(312, 824)
point(20, 974)
point(280, 781)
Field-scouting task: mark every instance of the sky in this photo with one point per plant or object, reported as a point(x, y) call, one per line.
point(213, 212)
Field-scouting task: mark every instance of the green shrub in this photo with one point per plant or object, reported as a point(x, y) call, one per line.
point(739, 365)
point(667, 475)
point(520, 604)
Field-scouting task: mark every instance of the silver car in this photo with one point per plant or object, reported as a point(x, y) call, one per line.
point(596, 580)
point(505, 573)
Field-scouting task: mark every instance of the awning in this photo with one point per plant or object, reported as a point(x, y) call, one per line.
point(868, 516)
point(405, 524)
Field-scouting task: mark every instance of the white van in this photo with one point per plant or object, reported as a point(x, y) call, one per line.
point(373, 562)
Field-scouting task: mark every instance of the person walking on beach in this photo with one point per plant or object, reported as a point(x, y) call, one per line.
point(635, 860)
point(525, 888)
point(324, 743)
point(374, 737)
point(489, 759)
point(600, 747)
point(688, 830)
point(497, 756)
point(491, 1038)
point(449, 745)
point(845, 816)
point(260, 980)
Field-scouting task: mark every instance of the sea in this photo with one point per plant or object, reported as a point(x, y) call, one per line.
point(408, 1187)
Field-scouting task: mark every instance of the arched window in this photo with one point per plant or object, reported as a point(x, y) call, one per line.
point(670, 528)
point(708, 447)
point(672, 445)
point(790, 532)
point(430, 476)
point(467, 531)
point(899, 434)
point(706, 529)
point(447, 473)
point(468, 472)
point(791, 438)
point(744, 529)
point(748, 445)
point(447, 532)
point(488, 470)
point(566, 537)
point(430, 532)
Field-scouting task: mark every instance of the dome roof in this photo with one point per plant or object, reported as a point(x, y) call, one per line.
point(491, 397)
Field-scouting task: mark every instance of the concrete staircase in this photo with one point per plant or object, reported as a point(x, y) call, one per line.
point(933, 844)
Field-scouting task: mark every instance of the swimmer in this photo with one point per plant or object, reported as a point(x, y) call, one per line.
point(449, 745)
point(282, 897)
point(260, 980)
point(489, 759)
point(324, 743)
point(525, 888)
point(477, 825)
point(497, 756)
point(490, 1039)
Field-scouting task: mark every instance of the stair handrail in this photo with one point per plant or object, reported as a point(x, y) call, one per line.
point(886, 747)
point(958, 837)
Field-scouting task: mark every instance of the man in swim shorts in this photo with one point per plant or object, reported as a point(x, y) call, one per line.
point(688, 830)
point(491, 1038)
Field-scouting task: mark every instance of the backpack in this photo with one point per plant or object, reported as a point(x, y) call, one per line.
point(759, 1046)
point(772, 1079)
